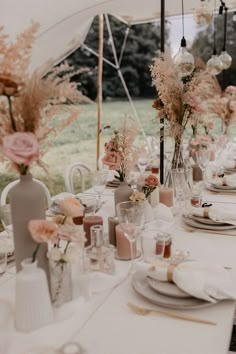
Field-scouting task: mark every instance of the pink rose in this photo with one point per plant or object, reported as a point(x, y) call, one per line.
point(210, 125)
point(21, 148)
point(112, 159)
point(43, 231)
point(194, 142)
point(70, 207)
point(151, 181)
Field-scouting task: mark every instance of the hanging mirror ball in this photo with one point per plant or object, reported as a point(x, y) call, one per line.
point(214, 65)
point(184, 61)
point(225, 59)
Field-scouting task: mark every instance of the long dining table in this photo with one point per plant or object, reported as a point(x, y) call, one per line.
point(103, 323)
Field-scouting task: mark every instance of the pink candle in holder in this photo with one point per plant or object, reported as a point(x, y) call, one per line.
point(89, 221)
point(166, 195)
point(123, 245)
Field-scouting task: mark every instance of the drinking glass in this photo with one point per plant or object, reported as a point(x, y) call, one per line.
point(152, 245)
point(131, 219)
point(203, 159)
point(143, 163)
point(99, 184)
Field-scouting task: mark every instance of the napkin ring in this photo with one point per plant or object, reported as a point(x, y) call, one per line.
point(170, 271)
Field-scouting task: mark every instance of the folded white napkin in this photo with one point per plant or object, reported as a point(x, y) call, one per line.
point(222, 214)
point(201, 280)
point(229, 164)
point(225, 181)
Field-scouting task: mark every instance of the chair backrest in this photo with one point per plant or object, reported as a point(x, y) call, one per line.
point(69, 176)
point(3, 198)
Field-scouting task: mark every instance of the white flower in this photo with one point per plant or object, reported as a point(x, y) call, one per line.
point(55, 254)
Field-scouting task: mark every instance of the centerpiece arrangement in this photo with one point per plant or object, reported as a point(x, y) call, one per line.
point(178, 99)
point(121, 155)
point(29, 105)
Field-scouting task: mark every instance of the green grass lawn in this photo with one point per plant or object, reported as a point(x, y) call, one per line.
point(78, 141)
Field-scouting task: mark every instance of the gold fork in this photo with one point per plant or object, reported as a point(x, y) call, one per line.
point(144, 311)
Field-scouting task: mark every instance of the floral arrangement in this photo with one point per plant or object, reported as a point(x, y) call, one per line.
point(223, 106)
point(120, 152)
point(178, 99)
point(28, 104)
point(149, 184)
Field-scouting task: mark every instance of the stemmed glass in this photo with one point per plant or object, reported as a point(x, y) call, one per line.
point(203, 159)
point(142, 163)
point(131, 219)
point(99, 182)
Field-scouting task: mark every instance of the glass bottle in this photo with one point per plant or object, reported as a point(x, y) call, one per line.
point(100, 253)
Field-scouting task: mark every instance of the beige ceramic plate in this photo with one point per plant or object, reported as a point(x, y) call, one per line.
point(210, 187)
point(206, 221)
point(165, 288)
point(223, 187)
point(199, 225)
point(140, 284)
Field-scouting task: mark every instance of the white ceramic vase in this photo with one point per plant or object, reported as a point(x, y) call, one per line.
point(148, 212)
point(33, 305)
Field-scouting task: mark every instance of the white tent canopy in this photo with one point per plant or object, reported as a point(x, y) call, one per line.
point(65, 23)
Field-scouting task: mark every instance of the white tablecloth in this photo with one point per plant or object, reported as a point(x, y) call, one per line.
point(104, 324)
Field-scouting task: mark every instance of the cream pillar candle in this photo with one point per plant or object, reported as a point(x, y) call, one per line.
point(123, 245)
point(166, 196)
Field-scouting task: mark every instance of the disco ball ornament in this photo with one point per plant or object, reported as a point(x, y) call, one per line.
point(225, 59)
point(214, 65)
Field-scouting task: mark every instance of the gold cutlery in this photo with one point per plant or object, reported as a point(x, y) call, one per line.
point(144, 311)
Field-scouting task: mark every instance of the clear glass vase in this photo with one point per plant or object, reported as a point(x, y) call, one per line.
point(61, 282)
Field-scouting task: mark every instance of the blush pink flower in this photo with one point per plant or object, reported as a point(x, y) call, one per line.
point(43, 231)
point(21, 148)
point(231, 90)
point(151, 181)
point(70, 207)
point(210, 125)
point(112, 159)
point(194, 142)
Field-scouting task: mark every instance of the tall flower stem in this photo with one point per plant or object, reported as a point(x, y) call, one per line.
point(13, 123)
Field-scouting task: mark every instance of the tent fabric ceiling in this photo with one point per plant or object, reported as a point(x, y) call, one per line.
point(65, 23)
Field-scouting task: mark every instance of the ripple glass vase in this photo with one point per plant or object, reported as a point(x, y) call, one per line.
point(61, 282)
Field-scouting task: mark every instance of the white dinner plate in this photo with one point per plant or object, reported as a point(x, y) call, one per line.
point(140, 284)
point(223, 187)
point(199, 225)
point(206, 221)
point(210, 187)
point(166, 288)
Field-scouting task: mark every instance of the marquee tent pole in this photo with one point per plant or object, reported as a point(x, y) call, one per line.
point(162, 119)
point(99, 85)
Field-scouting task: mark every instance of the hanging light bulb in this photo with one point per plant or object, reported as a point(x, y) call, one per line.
point(224, 57)
point(202, 14)
point(214, 65)
point(184, 60)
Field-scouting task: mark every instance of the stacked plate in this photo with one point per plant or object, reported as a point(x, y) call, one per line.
point(220, 188)
point(206, 223)
point(165, 294)
point(113, 184)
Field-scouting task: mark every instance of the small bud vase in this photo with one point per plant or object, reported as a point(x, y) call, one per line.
point(61, 281)
point(33, 307)
point(122, 193)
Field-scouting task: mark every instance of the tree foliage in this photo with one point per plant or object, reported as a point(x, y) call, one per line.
point(203, 46)
point(142, 43)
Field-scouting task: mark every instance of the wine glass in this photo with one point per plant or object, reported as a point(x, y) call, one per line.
point(99, 181)
point(131, 219)
point(142, 163)
point(203, 159)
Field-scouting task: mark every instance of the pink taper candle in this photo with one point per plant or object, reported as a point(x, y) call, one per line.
point(123, 245)
point(166, 196)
